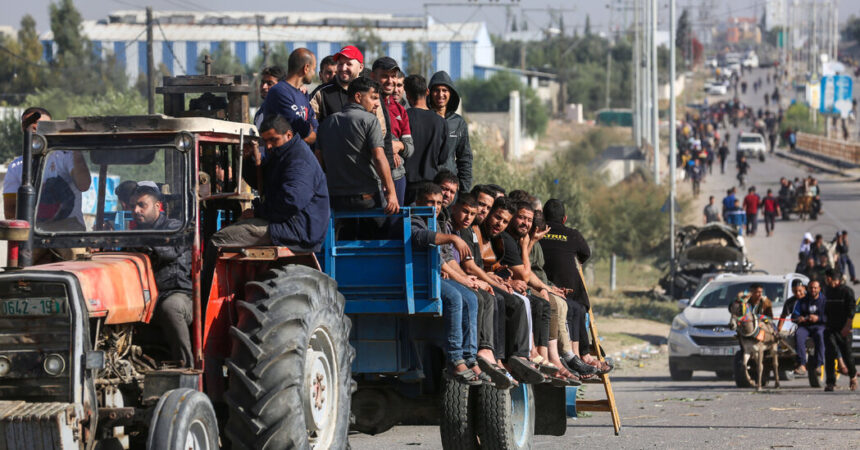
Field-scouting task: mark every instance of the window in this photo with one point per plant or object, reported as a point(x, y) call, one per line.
point(89, 190)
point(720, 295)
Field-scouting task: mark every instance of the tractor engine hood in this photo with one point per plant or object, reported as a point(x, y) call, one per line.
point(117, 286)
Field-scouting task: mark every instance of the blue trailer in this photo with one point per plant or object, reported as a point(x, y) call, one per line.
point(392, 296)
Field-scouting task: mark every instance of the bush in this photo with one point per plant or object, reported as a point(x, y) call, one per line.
point(493, 95)
point(798, 118)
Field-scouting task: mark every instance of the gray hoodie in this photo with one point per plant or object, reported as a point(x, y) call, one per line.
point(459, 151)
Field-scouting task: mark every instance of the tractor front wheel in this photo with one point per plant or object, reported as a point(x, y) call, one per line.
point(290, 379)
point(183, 419)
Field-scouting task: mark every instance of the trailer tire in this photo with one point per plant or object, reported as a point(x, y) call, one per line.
point(506, 418)
point(183, 419)
point(456, 426)
point(289, 369)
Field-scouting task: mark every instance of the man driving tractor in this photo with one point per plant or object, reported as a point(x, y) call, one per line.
point(172, 267)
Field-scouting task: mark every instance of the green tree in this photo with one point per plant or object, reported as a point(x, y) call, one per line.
point(683, 34)
point(852, 29)
point(365, 39)
point(224, 62)
point(493, 95)
point(418, 61)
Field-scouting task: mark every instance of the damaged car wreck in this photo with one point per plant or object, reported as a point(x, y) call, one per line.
point(710, 249)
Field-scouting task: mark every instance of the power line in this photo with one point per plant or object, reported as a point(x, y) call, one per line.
point(169, 46)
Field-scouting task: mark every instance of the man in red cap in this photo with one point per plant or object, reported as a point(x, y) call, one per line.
point(331, 98)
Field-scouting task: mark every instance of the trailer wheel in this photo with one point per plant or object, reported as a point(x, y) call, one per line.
point(183, 419)
point(289, 369)
point(458, 411)
point(506, 418)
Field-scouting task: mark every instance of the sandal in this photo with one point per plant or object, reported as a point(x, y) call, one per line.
point(524, 371)
point(548, 368)
point(604, 367)
point(485, 379)
point(467, 376)
point(499, 376)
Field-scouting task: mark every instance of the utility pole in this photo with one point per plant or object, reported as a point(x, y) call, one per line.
point(646, 75)
point(637, 77)
point(655, 98)
point(264, 48)
point(672, 138)
point(608, 72)
point(150, 64)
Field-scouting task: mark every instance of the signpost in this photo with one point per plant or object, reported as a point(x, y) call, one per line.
point(836, 94)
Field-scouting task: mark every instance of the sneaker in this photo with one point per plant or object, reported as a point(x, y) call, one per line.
point(581, 367)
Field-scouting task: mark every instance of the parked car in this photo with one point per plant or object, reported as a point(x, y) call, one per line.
point(710, 249)
point(717, 89)
point(700, 338)
point(855, 345)
point(752, 145)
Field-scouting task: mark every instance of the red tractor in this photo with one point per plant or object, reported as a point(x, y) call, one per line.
point(83, 363)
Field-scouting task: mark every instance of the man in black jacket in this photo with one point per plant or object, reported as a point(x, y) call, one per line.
point(429, 137)
point(445, 100)
point(839, 315)
point(172, 267)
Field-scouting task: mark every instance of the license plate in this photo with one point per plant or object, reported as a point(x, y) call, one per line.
point(32, 307)
point(719, 351)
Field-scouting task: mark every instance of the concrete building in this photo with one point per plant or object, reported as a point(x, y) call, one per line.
point(181, 36)
point(616, 163)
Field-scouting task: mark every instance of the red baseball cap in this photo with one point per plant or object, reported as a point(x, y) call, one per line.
point(351, 52)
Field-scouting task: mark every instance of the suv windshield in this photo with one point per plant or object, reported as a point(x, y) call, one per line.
point(91, 190)
point(720, 295)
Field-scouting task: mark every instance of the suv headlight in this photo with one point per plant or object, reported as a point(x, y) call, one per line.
point(679, 324)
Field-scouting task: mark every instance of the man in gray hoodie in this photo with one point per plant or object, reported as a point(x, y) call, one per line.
point(445, 100)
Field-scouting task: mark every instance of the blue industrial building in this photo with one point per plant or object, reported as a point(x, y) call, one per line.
point(180, 37)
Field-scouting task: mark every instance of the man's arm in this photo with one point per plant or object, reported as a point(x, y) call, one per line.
point(80, 172)
point(471, 268)
point(464, 161)
point(380, 163)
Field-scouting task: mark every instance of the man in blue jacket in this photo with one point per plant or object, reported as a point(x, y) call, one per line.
point(293, 210)
point(810, 318)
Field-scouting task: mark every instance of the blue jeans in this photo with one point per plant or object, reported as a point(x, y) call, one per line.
point(845, 265)
point(460, 312)
point(816, 332)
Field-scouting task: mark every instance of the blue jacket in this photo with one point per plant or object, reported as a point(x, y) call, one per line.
point(295, 195)
point(808, 305)
point(286, 100)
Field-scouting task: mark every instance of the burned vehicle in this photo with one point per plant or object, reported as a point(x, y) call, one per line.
point(713, 248)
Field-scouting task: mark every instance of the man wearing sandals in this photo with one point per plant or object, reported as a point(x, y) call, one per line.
point(839, 314)
point(459, 303)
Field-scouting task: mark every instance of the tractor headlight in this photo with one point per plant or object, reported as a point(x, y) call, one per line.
point(38, 143)
point(54, 364)
point(184, 141)
point(5, 366)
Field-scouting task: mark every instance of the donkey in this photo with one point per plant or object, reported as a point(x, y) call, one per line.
point(755, 338)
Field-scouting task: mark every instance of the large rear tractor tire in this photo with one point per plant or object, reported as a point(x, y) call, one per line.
point(457, 426)
point(183, 419)
point(506, 418)
point(290, 380)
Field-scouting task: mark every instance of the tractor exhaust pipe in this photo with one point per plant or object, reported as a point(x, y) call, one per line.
point(27, 196)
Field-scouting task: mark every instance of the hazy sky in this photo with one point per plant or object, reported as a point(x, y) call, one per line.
point(534, 11)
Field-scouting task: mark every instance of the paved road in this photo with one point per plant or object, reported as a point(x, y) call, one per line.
point(706, 412)
point(778, 253)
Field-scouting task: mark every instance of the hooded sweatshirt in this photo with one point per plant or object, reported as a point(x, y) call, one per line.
point(459, 151)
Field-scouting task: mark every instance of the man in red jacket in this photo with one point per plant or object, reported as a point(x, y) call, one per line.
point(751, 202)
point(770, 205)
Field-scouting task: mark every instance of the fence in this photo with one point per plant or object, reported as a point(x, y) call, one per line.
point(839, 150)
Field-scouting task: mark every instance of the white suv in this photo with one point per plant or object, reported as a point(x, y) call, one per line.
point(700, 338)
point(752, 145)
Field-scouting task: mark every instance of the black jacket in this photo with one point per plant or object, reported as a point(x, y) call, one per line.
point(172, 265)
point(459, 150)
point(429, 135)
